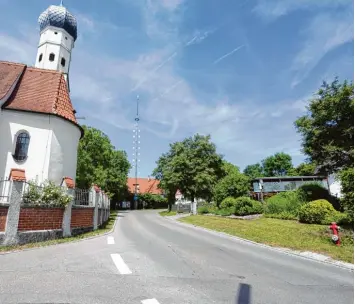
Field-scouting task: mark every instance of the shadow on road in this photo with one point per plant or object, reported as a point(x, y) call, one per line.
point(244, 294)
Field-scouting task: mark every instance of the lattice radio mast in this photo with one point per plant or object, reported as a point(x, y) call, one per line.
point(136, 153)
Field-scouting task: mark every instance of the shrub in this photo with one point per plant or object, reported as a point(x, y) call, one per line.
point(343, 219)
point(203, 210)
point(224, 212)
point(49, 195)
point(347, 188)
point(247, 206)
point(314, 191)
point(289, 202)
point(316, 212)
point(228, 202)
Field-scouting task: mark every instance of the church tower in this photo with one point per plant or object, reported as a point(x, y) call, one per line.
point(58, 32)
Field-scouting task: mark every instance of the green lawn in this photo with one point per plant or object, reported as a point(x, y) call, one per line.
point(167, 213)
point(281, 233)
point(105, 228)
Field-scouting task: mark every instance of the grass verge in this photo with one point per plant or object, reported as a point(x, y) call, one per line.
point(167, 213)
point(103, 229)
point(282, 233)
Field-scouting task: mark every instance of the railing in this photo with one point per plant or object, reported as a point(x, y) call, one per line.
point(81, 197)
point(5, 191)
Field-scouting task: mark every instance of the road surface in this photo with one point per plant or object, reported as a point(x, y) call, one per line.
point(153, 260)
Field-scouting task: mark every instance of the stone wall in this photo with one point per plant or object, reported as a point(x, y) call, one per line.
point(22, 223)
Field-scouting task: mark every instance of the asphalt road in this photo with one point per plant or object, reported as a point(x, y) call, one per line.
point(153, 260)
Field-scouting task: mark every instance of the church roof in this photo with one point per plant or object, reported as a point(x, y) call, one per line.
point(35, 90)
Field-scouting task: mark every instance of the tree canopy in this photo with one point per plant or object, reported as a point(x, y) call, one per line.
point(100, 163)
point(254, 171)
point(327, 129)
point(277, 165)
point(192, 166)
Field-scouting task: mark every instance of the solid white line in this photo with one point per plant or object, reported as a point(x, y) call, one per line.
point(150, 301)
point(110, 240)
point(120, 264)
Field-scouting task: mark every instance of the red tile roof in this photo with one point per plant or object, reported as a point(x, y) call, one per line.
point(146, 185)
point(38, 90)
point(69, 182)
point(17, 175)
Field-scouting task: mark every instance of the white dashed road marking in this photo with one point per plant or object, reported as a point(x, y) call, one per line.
point(120, 264)
point(110, 240)
point(150, 301)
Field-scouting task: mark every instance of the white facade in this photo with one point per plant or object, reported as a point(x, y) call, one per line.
point(52, 150)
point(54, 50)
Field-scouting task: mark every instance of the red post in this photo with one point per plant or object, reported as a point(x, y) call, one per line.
point(335, 229)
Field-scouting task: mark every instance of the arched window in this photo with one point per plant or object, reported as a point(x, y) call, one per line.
point(51, 57)
point(62, 62)
point(21, 148)
point(40, 58)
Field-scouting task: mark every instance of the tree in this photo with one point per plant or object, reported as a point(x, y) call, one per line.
point(254, 171)
point(347, 187)
point(192, 166)
point(303, 169)
point(327, 129)
point(277, 165)
point(235, 184)
point(99, 163)
point(229, 168)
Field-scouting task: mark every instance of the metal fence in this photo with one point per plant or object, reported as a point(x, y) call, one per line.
point(81, 197)
point(5, 191)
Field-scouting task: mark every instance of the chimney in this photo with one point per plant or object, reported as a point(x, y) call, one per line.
point(148, 178)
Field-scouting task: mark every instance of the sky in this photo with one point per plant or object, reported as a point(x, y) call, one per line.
point(241, 71)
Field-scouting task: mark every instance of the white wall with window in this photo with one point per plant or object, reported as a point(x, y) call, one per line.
point(45, 146)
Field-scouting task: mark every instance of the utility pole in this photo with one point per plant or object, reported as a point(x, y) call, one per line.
point(136, 148)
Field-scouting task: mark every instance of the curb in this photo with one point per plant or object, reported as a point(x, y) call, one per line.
point(70, 242)
point(304, 255)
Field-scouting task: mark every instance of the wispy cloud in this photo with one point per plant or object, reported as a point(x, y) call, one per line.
point(228, 54)
point(272, 9)
point(199, 36)
point(325, 33)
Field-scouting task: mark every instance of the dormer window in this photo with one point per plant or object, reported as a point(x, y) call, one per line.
point(51, 57)
point(21, 147)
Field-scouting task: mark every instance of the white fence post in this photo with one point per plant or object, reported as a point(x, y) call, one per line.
point(94, 202)
point(66, 224)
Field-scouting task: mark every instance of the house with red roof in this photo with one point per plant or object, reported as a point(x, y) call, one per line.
point(39, 132)
point(144, 185)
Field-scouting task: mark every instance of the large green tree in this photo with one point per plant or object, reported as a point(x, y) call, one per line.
point(254, 171)
point(303, 169)
point(327, 129)
point(192, 166)
point(99, 163)
point(277, 165)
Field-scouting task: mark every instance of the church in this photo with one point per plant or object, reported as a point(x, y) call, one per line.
point(39, 131)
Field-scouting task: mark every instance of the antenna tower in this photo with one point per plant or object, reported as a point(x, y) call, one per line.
point(136, 153)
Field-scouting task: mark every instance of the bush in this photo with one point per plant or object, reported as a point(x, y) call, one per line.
point(228, 202)
point(342, 219)
point(316, 212)
point(247, 206)
point(49, 195)
point(284, 202)
point(225, 211)
point(203, 210)
point(284, 215)
point(315, 191)
point(347, 188)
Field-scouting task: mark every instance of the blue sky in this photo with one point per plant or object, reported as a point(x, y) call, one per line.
point(241, 71)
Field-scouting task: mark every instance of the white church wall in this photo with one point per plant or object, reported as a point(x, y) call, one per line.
point(46, 132)
point(63, 155)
